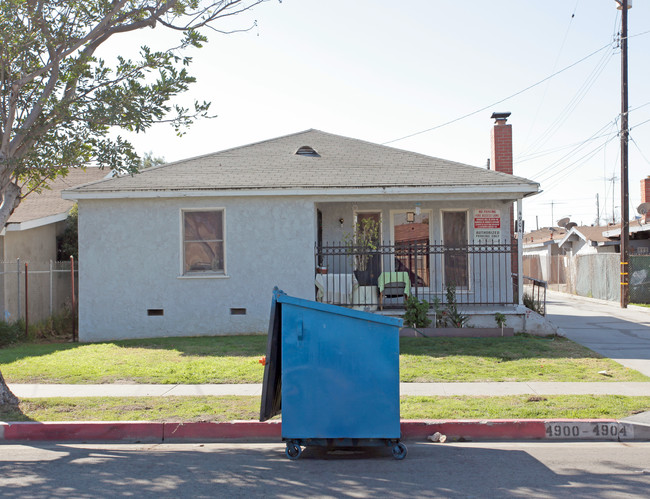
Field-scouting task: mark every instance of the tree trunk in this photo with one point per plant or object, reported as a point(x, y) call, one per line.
point(6, 397)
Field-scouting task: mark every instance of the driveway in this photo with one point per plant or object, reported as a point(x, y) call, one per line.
point(622, 335)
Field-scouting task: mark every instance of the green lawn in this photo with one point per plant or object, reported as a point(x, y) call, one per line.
point(186, 409)
point(235, 359)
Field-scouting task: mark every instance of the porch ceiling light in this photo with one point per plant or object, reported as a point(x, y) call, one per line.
point(410, 216)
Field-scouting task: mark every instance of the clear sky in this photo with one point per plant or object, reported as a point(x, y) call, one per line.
point(381, 70)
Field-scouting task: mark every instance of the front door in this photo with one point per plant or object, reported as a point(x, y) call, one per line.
point(454, 233)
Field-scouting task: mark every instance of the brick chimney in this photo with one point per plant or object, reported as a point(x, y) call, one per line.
point(502, 162)
point(645, 197)
point(502, 153)
point(501, 143)
point(645, 190)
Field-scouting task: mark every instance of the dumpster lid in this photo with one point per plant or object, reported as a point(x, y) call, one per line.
point(338, 310)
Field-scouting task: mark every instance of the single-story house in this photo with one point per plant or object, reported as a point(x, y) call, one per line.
point(195, 247)
point(31, 236)
point(588, 240)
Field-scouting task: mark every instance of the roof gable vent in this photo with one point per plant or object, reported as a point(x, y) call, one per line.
point(307, 151)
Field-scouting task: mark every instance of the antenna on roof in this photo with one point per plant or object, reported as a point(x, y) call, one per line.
point(562, 222)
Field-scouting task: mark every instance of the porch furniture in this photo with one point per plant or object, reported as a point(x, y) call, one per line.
point(365, 298)
point(335, 288)
point(393, 285)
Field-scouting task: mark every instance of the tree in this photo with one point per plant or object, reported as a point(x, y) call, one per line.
point(59, 101)
point(149, 160)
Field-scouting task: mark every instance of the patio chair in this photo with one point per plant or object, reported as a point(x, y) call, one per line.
point(393, 285)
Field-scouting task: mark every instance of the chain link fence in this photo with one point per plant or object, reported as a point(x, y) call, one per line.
point(37, 290)
point(639, 270)
point(592, 276)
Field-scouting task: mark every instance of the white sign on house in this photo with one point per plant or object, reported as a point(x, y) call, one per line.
point(487, 225)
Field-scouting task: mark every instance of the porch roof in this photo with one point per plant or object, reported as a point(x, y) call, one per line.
point(336, 165)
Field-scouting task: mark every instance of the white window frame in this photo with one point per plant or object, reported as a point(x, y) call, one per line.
point(202, 274)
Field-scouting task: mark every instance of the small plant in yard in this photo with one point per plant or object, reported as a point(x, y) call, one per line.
point(452, 316)
point(416, 312)
point(530, 303)
point(500, 319)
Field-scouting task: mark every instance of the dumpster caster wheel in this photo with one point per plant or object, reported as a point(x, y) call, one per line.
point(293, 451)
point(400, 451)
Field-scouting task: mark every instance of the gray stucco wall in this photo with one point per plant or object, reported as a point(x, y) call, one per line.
point(131, 262)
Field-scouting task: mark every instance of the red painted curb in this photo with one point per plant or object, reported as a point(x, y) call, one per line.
point(476, 429)
point(254, 430)
point(89, 430)
point(144, 431)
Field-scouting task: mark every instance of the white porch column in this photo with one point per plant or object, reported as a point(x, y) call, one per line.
point(520, 252)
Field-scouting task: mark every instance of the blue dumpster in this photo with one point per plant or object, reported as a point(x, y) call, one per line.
point(333, 373)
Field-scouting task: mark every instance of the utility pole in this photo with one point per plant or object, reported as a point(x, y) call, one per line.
point(597, 210)
point(625, 216)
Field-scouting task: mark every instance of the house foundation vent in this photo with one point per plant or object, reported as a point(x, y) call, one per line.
point(237, 311)
point(155, 311)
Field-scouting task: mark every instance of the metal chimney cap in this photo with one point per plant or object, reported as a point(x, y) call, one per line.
point(500, 116)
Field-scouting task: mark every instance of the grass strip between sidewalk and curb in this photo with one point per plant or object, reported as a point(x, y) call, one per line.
point(209, 408)
point(234, 359)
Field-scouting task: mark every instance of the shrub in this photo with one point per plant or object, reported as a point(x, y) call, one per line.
point(416, 312)
point(452, 316)
point(11, 332)
point(530, 303)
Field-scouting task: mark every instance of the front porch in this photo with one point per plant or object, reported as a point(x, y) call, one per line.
point(481, 276)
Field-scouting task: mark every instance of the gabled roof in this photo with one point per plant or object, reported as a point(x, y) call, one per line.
point(588, 233)
point(337, 163)
point(47, 206)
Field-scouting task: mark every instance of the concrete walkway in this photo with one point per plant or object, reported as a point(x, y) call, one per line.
point(623, 335)
point(422, 389)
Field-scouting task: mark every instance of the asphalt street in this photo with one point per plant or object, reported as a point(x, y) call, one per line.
point(523, 469)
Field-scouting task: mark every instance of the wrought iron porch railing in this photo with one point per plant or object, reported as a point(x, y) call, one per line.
point(383, 276)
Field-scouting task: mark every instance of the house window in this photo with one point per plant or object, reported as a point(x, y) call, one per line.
point(203, 242)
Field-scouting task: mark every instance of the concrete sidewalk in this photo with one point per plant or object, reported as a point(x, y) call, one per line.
point(421, 389)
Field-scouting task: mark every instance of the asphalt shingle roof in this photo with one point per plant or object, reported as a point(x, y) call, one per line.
point(341, 163)
point(49, 202)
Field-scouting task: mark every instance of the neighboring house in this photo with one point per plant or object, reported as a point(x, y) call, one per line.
point(31, 236)
point(639, 236)
point(195, 247)
point(543, 259)
point(588, 240)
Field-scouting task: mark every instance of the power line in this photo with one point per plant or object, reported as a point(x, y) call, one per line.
point(639, 149)
point(499, 101)
point(573, 103)
point(558, 163)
